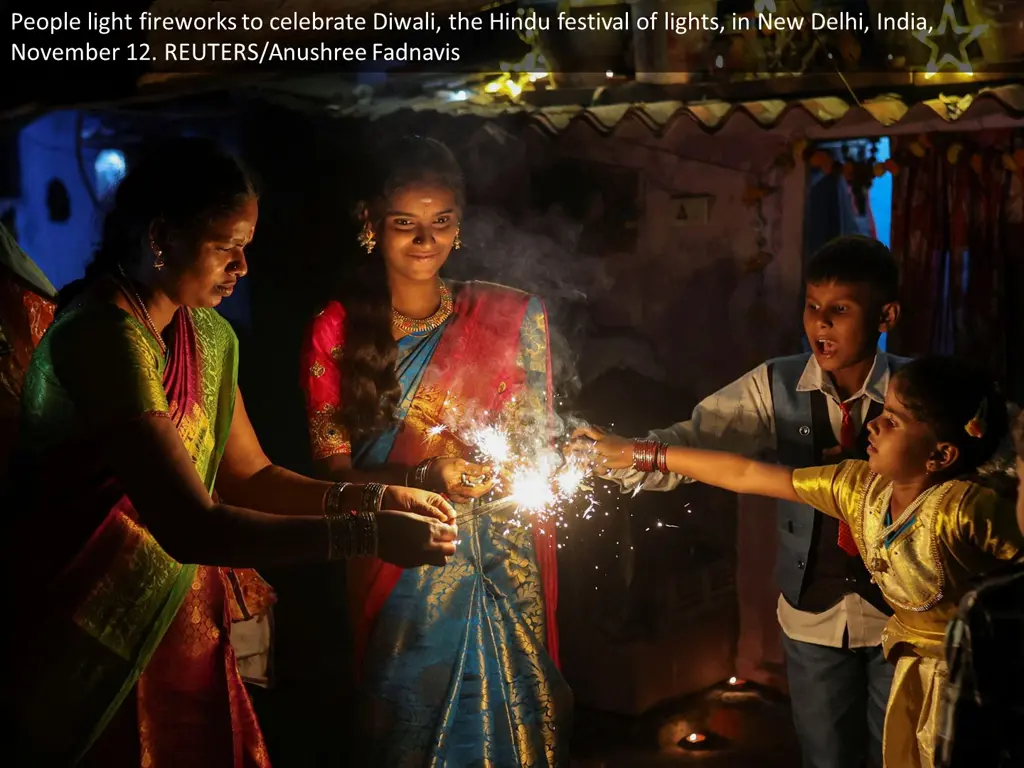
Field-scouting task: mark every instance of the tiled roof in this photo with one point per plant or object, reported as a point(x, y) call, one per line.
point(830, 115)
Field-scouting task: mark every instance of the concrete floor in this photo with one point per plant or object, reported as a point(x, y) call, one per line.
point(745, 727)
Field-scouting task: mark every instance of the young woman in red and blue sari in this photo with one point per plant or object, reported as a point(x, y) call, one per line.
point(143, 494)
point(457, 666)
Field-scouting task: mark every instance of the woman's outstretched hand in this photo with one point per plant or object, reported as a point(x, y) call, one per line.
point(609, 451)
point(409, 540)
point(461, 480)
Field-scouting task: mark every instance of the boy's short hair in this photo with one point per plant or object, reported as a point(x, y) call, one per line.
point(856, 259)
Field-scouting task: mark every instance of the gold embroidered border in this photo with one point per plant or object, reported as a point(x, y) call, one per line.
point(327, 434)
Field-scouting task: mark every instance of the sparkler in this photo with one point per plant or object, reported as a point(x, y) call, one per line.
point(536, 490)
point(493, 443)
point(535, 481)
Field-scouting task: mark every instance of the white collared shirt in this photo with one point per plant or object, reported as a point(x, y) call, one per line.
point(740, 418)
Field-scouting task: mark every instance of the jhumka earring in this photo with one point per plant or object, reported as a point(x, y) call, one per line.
point(367, 239)
point(158, 256)
point(457, 242)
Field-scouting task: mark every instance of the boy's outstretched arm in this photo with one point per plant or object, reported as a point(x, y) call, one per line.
point(738, 418)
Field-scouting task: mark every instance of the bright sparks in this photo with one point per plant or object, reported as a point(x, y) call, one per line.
point(571, 478)
point(493, 443)
point(532, 475)
point(542, 489)
point(532, 489)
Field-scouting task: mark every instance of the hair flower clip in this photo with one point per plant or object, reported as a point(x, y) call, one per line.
point(976, 426)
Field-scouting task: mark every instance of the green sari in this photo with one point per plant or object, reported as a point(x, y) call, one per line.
point(94, 609)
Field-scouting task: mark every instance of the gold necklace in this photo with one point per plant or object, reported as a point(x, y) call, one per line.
point(878, 563)
point(409, 325)
point(136, 300)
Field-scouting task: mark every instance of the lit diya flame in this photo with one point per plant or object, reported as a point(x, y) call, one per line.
point(702, 742)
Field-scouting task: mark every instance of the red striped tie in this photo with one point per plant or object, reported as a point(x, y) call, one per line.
point(848, 442)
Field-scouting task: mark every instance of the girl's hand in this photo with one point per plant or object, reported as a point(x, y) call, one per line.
point(461, 480)
point(398, 497)
point(610, 451)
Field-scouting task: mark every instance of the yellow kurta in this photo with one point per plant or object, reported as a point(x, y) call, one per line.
point(960, 531)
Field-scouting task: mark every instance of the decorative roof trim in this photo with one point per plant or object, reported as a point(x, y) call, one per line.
point(888, 112)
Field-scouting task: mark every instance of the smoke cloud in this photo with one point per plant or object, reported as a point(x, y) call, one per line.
point(537, 254)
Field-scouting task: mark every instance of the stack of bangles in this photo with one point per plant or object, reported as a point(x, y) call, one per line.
point(352, 533)
point(417, 476)
point(650, 456)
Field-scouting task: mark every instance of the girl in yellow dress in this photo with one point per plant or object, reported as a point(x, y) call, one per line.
point(924, 522)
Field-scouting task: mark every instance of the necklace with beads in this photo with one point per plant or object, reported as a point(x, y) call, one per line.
point(409, 325)
point(128, 288)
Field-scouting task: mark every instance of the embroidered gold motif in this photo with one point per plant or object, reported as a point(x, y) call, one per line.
point(533, 339)
point(327, 434)
point(916, 581)
point(428, 411)
point(197, 435)
point(317, 370)
point(121, 602)
point(336, 352)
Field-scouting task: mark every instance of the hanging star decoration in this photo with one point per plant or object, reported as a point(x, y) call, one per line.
point(951, 32)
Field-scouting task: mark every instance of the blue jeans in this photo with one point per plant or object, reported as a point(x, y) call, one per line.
point(838, 698)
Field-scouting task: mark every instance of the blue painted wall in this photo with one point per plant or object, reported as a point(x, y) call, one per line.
point(47, 149)
point(63, 249)
point(881, 197)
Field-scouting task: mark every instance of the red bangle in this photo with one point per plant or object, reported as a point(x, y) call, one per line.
point(663, 458)
point(645, 455)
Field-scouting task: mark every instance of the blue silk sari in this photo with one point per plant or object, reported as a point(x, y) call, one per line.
point(457, 666)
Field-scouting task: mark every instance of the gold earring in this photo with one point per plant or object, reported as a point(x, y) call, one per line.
point(457, 242)
point(158, 259)
point(367, 239)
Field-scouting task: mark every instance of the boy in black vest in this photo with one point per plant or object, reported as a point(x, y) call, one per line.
point(807, 410)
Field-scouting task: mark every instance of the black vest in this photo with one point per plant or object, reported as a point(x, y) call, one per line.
point(831, 573)
point(811, 571)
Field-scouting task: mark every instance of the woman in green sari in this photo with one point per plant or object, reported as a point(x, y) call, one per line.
point(136, 462)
